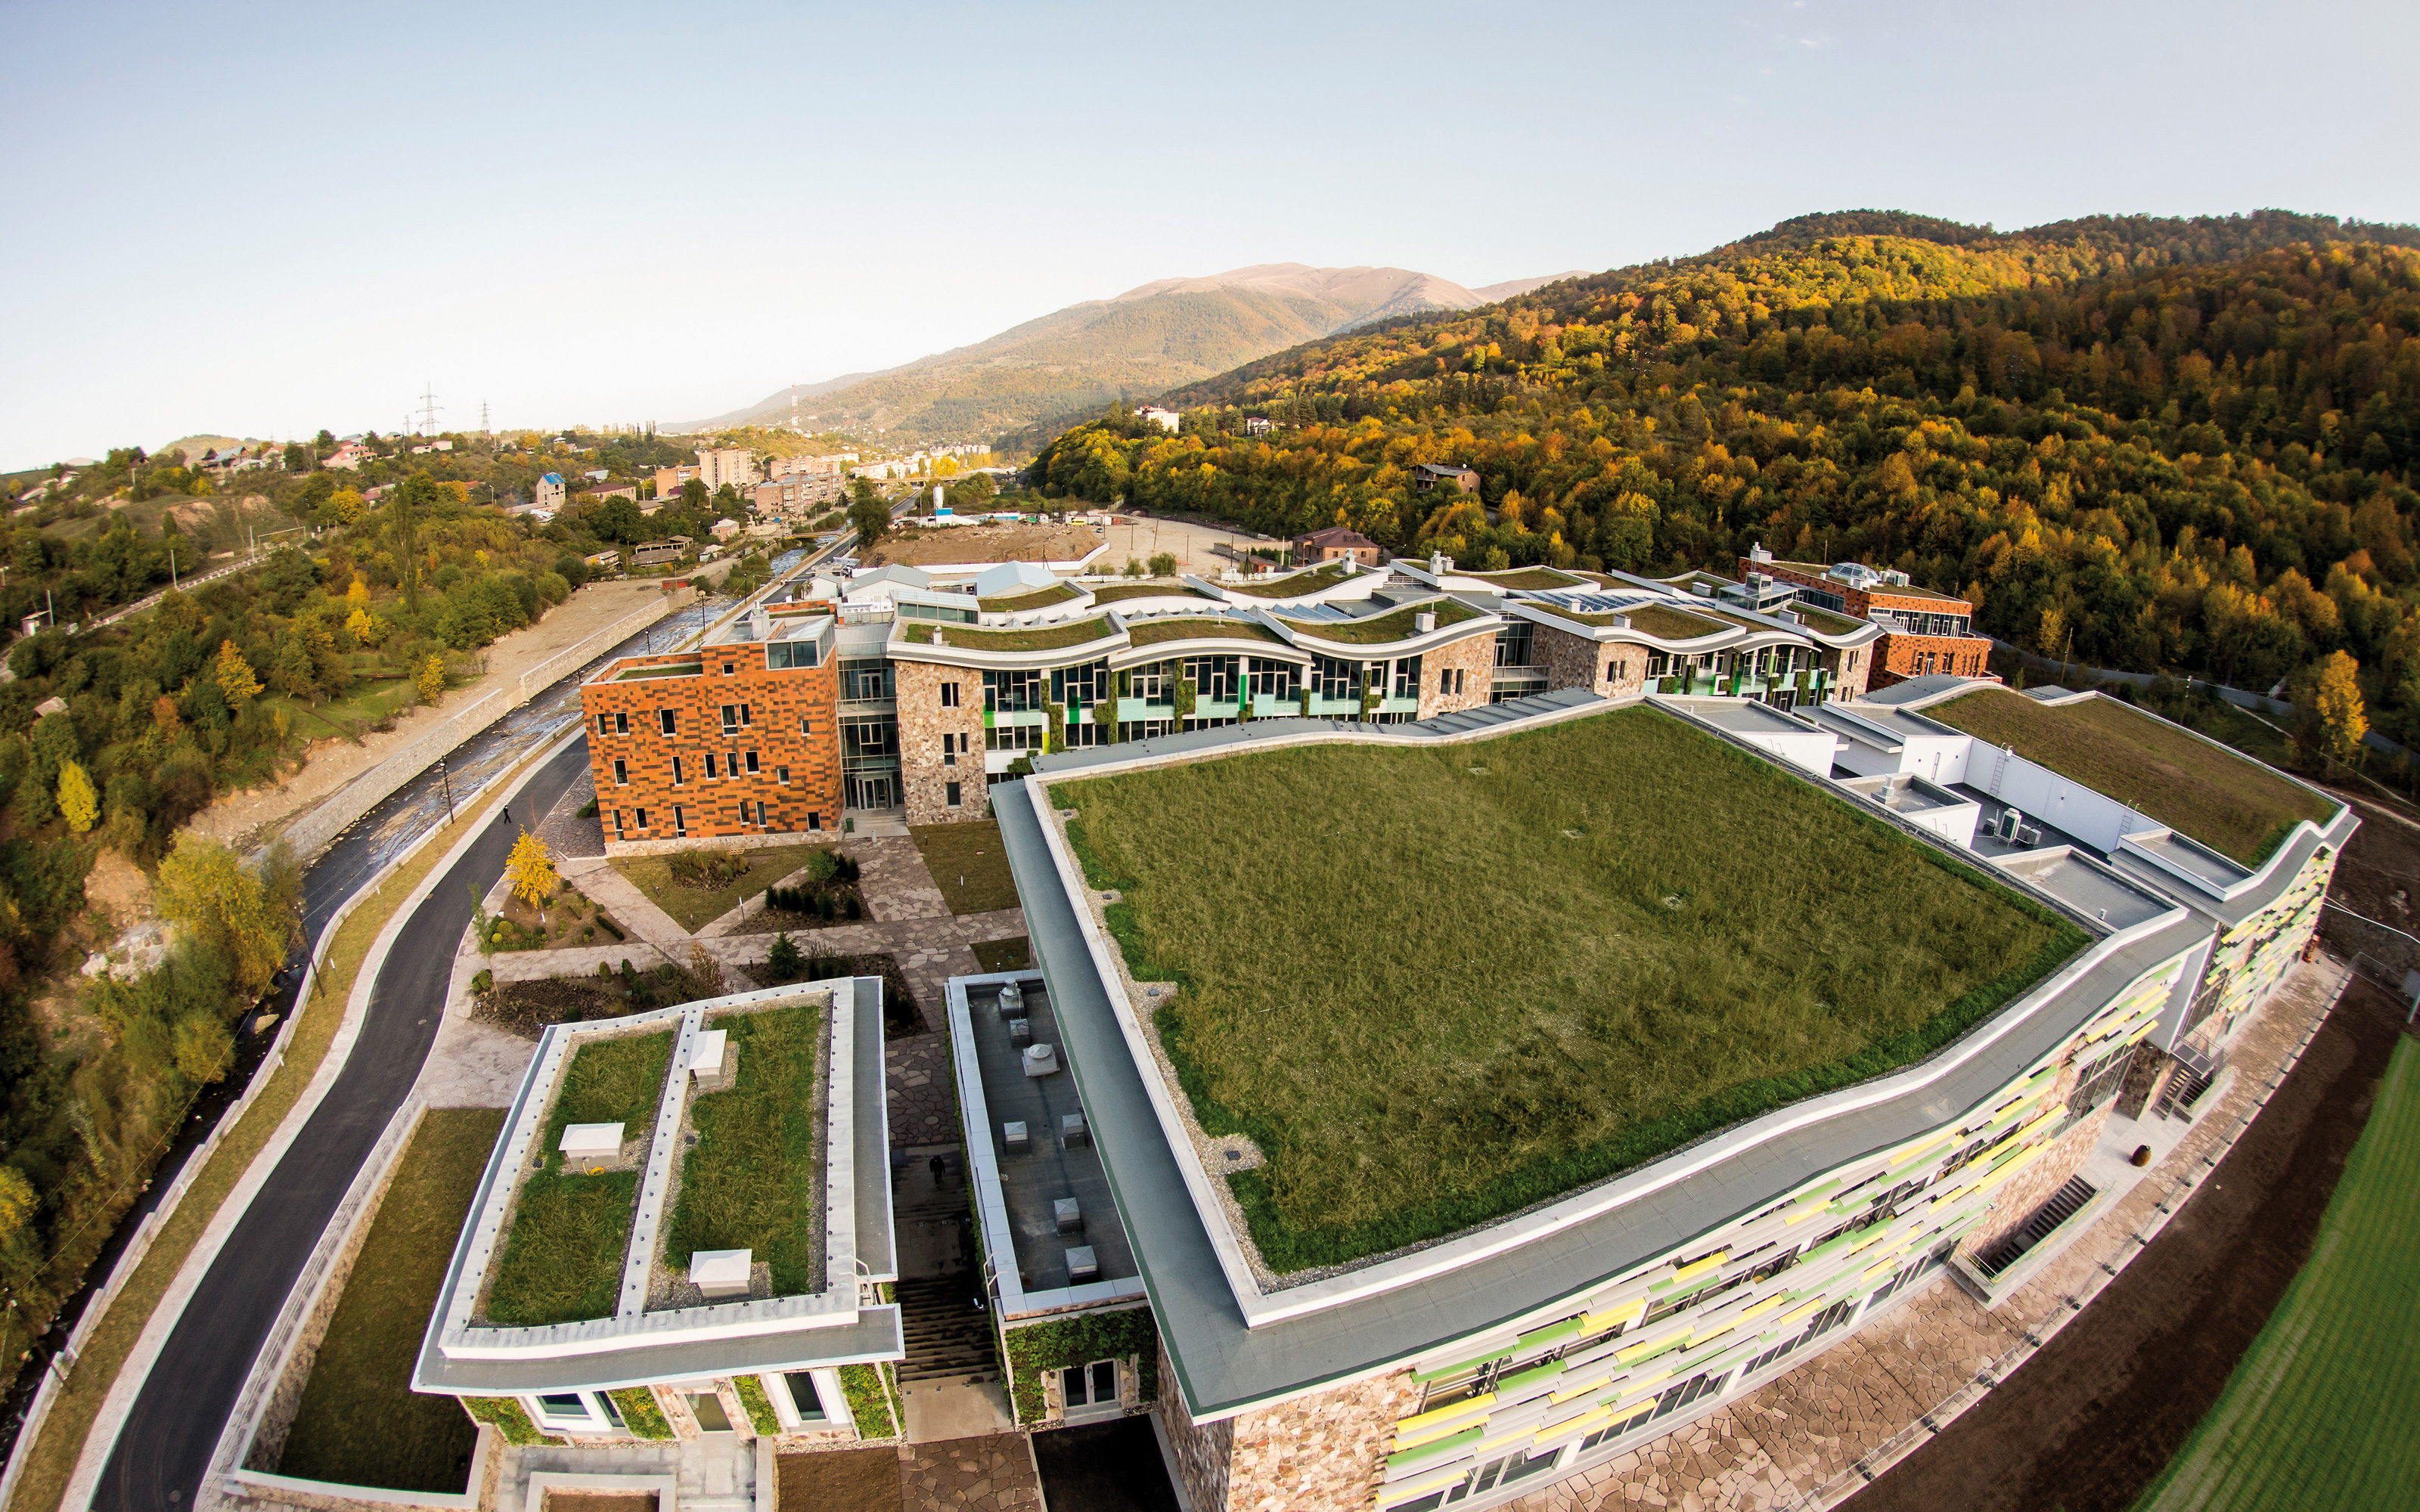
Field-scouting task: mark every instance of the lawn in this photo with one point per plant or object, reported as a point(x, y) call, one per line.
point(1003, 955)
point(1379, 629)
point(752, 1180)
point(1532, 578)
point(2318, 1414)
point(1495, 972)
point(1151, 632)
point(969, 864)
point(1670, 624)
point(693, 908)
point(360, 1423)
point(563, 1258)
point(1290, 585)
point(1033, 598)
point(363, 705)
point(1120, 592)
point(2230, 804)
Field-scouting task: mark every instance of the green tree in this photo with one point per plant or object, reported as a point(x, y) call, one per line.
point(246, 916)
point(869, 513)
point(1163, 564)
point(785, 962)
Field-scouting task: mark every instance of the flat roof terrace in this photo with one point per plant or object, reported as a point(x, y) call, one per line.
point(1692, 938)
point(2196, 787)
point(1033, 1181)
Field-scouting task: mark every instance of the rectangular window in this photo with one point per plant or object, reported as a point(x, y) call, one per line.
point(743, 715)
point(949, 695)
point(1009, 737)
point(806, 726)
point(642, 819)
point(731, 718)
point(677, 771)
point(604, 724)
point(752, 764)
point(565, 1409)
point(761, 820)
point(710, 771)
point(1513, 645)
point(1406, 683)
point(667, 722)
point(680, 820)
point(815, 820)
point(1090, 1385)
point(949, 750)
point(617, 824)
point(622, 724)
point(782, 775)
point(952, 789)
point(804, 1395)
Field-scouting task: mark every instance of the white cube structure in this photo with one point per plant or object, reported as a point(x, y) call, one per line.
point(721, 1272)
point(592, 1141)
point(710, 1060)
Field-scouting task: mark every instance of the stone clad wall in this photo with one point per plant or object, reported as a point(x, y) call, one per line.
point(1851, 670)
point(1201, 1449)
point(1318, 1453)
point(1576, 661)
point(2018, 1196)
point(1474, 655)
point(922, 722)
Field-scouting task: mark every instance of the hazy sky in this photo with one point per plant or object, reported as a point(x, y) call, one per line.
point(260, 220)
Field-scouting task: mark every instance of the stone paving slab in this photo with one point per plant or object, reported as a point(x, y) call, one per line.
point(564, 832)
point(1795, 1443)
point(988, 1475)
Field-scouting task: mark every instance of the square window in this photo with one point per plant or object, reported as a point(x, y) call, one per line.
point(621, 773)
point(782, 776)
point(752, 764)
point(949, 695)
point(728, 669)
point(951, 792)
point(670, 724)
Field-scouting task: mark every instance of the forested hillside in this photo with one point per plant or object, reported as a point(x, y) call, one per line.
point(2168, 444)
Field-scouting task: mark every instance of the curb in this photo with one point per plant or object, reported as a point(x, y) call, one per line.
point(100, 1439)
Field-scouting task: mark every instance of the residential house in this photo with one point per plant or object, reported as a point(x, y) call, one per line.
point(1429, 474)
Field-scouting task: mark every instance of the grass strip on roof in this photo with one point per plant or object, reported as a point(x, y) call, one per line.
point(1120, 592)
point(753, 1178)
point(1537, 961)
point(1151, 632)
point(1670, 623)
point(1377, 630)
point(2317, 1413)
point(1036, 598)
point(1039, 638)
point(1290, 585)
point(563, 1258)
point(2235, 806)
point(1817, 618)
point(360, 1422)
point(1529, 578)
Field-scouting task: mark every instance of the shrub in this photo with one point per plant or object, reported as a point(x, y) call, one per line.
point(760, 1408)
point(642, 1412)
point(785, 960)
point(504, 1415)
point(705, 870)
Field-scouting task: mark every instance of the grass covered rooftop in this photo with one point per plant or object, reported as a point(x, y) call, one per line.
point(2202, 790)
point(1491, 973)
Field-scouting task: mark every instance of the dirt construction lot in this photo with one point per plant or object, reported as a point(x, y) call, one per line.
point(2090, 1421)
point(946, 546)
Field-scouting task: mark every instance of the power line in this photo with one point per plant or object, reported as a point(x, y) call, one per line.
point(428, 407)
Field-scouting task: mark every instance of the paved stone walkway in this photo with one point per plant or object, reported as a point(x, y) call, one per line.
point(564, 832)
point(990, 1474)
point(1795, 1443)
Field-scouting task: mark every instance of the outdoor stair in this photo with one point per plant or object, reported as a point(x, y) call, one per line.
point(2063, 1204)
point(2186, 1087)
point(947, 1339)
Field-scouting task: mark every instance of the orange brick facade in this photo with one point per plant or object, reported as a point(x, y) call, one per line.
point(1898, 656)
point(654, 791)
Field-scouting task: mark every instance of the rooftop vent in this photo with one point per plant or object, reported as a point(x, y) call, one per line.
point(1014, 1139)
point(1041, 1060)
point(721, 1272)
point(592, 1141)
point(1424, 622)
point(1083, 1265)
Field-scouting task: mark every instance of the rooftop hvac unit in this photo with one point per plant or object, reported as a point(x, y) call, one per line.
point(1014, 1138)
point(2010, 821)
point(1012, 1000)
point(1424, 622)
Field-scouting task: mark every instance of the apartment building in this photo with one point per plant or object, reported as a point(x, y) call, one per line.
point(735, 466)
point(1925, 632)
point(732, 744)
point(669, 481)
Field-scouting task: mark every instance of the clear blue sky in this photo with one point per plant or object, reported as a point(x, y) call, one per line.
point(260, 220)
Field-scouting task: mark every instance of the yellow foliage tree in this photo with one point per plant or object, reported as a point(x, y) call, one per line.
point(531, 868)
point(347, 504)
point(206, 890)
point(17, 1203)
point(357, 597)
point(365, 628)
point(77, 800)
point(234, 675)
point(431, 681)
point(2336, 696)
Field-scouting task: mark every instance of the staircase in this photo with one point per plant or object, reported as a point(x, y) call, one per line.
point(947, 1339)
point(2063, 1204)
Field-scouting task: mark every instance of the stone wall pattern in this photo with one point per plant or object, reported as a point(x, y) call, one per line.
point(1474, 657)
point(1318, 1453)
point(1613, 668)
point(922, 722)
point(1203, 1450)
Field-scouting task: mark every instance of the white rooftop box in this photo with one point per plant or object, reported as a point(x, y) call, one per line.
point(721, 1272)
point(592, 1141)
point(705, 1053)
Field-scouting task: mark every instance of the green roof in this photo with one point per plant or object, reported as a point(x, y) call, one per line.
point(1120, 592)
point(1151, 632)
point(1291, 584)
point(1379, 629)
point(1033, 598)
point(1531, 577)
point(2195, 787)
point(1039, 638)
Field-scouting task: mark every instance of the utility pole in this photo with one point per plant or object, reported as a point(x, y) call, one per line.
point(428, 407)
point(446, 781)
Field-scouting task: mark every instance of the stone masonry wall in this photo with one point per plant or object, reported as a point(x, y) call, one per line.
point(1318, 1453)
point(1474, 657)
point(791, 727)
point(1576, 661)
point(1850, 670)
point(2021, 1193)
point(922, 722)
point(1203, 1450)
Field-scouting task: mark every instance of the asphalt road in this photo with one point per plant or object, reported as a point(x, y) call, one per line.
point(165, 1446)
